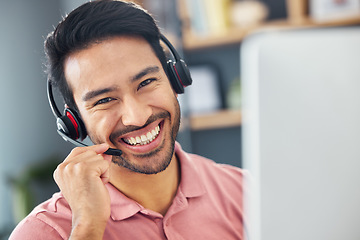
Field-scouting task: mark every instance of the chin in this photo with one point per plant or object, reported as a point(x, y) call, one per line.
point(152, 162)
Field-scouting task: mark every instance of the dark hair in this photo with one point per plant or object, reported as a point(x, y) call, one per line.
point(94, 22)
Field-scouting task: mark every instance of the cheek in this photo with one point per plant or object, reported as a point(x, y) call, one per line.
point(100, 125)
point(162, 101)
point(163, 97)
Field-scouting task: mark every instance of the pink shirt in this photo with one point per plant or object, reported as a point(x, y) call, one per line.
point(208, 205)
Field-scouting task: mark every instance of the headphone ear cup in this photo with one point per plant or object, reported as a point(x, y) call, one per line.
point(65, 125)
point(72, 125)
point(175, 82)
point(183, 73)
point(179, 75)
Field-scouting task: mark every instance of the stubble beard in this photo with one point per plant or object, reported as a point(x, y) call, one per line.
point(161, 164)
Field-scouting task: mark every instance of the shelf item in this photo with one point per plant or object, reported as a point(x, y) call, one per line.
point(296, 10)
point(221, 119)
point(248, 13)
point(325, 10)
point(203, 95)
point(205, 17)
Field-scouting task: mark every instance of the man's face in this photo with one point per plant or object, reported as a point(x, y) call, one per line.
point(126, 100)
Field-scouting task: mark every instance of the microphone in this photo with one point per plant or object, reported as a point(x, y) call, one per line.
point(110, 151)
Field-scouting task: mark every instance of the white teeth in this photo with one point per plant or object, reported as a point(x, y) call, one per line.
point(143, 139)
point(149, 136)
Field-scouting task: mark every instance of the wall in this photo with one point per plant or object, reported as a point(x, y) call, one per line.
point(27, 126)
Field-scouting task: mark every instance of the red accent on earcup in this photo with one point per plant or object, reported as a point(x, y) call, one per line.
point(173, 78)
point(74, 123)
point(183, 73)
point(178, 77)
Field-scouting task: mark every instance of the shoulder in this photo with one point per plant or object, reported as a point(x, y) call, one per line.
point(203, 163)
point(209, 172)
point(217, 172)
point(32, 227)
point(225, 186)
point(49, 220)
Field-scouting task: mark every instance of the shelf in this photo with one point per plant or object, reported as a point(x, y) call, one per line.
point(236, 35)
point(221, 119)
point(194, 42)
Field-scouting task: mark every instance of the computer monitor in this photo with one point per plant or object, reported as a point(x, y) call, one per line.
point(301, 133)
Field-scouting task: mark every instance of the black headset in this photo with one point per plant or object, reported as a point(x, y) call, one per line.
point(70, 126)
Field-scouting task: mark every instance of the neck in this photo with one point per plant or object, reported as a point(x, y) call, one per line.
point(154, 192)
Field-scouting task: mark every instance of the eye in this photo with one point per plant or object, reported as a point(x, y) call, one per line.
point(104, 100)
point(146, 82)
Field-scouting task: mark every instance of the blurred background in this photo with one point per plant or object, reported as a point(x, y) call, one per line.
point(210, 34)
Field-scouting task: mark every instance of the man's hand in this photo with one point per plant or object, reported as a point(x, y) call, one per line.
point(81, 179)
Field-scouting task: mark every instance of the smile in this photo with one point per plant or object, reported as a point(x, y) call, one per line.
point(143, 139)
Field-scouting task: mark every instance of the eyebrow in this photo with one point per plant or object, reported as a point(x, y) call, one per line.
point(92, 94)
point(151, 69)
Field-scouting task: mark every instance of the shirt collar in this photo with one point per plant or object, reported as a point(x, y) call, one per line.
point(122, 207)
point(190, 184)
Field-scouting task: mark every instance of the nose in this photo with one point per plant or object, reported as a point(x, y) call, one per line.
point(135, 111)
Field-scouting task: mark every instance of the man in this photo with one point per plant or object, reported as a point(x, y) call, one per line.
point(107, 61)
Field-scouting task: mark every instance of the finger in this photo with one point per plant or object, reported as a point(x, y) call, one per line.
point(101, 148)
point(99, 166)
point(98, 149)
point(82, 165)
point(105, 176)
